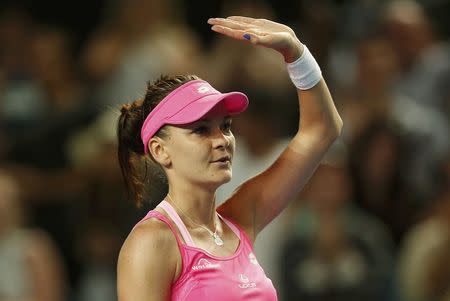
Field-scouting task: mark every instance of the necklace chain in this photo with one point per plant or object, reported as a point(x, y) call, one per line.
point(217, 239)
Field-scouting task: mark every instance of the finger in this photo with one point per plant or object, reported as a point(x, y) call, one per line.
point(256, 31)
point(249, 21)
point(242, 19)
point(233, 33)
point(227, 23)
point(249, 34)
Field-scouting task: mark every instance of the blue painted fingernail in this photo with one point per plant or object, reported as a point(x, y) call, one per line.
point(247, 36)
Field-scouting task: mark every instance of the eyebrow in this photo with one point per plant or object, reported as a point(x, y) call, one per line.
point(207, 119)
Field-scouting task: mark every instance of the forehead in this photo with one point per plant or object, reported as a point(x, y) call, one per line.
point(206, 120)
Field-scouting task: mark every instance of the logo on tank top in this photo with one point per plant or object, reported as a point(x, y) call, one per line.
point(245, 282)
point(252, 258)
point(203, 264)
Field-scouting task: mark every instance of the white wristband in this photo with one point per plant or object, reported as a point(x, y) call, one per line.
point(305, 73)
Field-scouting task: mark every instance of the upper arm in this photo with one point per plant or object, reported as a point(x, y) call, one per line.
point(147, 263)
point(46, 268)
point(260, 199)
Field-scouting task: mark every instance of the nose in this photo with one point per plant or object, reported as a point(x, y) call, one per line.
point(221, 139)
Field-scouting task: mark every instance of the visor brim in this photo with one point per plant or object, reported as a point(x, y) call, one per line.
point(234, 102)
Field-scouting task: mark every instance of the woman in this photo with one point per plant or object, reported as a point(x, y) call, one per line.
point(187, 249)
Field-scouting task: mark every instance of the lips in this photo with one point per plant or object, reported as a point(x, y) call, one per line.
point(223, 159)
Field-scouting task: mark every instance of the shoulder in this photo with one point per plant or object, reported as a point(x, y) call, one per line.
point(148, 262)
point(151, 236)
point(150, 248)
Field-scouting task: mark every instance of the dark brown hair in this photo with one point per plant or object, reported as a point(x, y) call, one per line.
point(133, 163)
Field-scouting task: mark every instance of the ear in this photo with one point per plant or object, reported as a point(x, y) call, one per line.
point(158, 151)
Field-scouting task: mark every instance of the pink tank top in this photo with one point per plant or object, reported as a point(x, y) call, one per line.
point(207, 277)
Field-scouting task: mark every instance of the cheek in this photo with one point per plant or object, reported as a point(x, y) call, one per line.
point(231, 144)
point(190, 155)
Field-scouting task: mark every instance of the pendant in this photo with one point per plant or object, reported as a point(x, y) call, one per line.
point(217, 240)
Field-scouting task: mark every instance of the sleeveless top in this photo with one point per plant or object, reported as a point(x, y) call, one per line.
point(237, 277)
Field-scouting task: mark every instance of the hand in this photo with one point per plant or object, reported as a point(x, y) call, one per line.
point(260, 32)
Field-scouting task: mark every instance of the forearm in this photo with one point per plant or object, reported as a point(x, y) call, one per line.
point(317, 110)
point(319, 126)
point(318, 114)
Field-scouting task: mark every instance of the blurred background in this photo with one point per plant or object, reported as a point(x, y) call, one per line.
point(372, 224)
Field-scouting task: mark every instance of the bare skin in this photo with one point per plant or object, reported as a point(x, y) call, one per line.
point(150, 261)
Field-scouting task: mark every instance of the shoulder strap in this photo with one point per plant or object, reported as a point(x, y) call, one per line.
point(232, 226)
point(164, 219)
point(177, 220)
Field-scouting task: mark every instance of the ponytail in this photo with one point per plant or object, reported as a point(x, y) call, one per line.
point(130, 149)
point(130, 146)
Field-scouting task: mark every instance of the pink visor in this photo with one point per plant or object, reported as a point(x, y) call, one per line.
point(189, 103)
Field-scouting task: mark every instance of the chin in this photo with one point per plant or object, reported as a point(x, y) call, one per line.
point(224, 180)
point(226, 177)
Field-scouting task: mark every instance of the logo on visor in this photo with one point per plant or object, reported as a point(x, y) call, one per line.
point(203, 89)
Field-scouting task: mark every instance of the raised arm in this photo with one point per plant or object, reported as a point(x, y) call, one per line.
point(259, 200)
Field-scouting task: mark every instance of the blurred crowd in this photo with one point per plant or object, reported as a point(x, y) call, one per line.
point(372, 224)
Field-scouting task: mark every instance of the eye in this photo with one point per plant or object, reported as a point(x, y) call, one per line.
point(201, 129)
point(226, 126)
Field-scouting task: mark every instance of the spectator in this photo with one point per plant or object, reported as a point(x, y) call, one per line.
point(30, 265)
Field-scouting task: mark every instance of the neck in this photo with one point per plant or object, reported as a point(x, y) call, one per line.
point(197, 204)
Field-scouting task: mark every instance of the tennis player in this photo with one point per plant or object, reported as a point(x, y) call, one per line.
point(186, 248)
